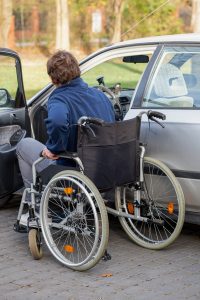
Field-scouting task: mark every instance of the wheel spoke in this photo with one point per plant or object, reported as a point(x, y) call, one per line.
point(163, 223)
point(74, 205)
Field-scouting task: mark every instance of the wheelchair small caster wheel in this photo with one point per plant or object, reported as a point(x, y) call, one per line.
point(34, 240)
point(106, 256)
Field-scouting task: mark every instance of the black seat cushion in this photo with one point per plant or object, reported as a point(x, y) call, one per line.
point(52, 170)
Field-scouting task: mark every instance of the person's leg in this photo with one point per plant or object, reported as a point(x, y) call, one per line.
point(28, 150)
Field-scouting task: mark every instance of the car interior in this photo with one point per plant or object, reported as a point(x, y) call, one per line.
point(119, 90)
point(170, 88)
point(175, 83)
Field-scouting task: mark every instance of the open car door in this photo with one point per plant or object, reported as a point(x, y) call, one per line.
point(14, 121)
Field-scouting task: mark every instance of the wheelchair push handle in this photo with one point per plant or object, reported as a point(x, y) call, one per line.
point(89, 120)
point(155, 114)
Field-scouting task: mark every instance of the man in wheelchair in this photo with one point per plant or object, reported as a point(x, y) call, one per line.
point(73, 216)
point(71, 99)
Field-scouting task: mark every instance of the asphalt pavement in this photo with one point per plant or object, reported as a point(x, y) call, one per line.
point(132, 273)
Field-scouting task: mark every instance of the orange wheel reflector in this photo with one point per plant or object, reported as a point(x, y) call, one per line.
point(69, 248)
point(68, 190)
point(130, 208)
point(170, 208)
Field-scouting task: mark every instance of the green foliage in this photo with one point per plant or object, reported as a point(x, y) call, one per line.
point(162, 21)
point(26, 6)
point(22, 11)
point(81, 22)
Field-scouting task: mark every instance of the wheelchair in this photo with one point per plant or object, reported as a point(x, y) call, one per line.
point(73, 210)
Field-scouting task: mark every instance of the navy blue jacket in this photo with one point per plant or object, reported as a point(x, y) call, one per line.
point(66, 105)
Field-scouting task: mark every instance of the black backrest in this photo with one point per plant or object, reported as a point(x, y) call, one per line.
point(111, 158)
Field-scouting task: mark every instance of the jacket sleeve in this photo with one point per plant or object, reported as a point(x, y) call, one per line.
point(57, 125)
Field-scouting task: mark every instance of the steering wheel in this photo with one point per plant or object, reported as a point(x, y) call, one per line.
point(114, 100)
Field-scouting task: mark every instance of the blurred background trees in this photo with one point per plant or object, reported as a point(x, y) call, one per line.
point(5, 21)
point(85, 25)
point(62, 25)
point(195, 20)
point(36, 28)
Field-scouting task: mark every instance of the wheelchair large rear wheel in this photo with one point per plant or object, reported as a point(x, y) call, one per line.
point(74, 220)
point(161, 208)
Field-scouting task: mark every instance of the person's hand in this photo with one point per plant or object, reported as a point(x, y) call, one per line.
point(48, 154)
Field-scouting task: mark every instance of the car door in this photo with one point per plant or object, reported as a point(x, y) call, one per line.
point(173, 87)
point(14, 121)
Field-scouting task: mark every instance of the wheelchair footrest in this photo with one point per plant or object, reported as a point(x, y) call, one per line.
point(19, 228)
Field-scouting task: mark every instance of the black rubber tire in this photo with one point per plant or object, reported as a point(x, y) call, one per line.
point(103, 214)
point(129, 226)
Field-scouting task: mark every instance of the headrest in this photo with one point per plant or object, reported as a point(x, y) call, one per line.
point(170, 82)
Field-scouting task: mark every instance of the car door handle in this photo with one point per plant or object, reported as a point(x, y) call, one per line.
point(13, 118)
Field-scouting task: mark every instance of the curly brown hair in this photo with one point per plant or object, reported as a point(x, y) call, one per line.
point(62, 67)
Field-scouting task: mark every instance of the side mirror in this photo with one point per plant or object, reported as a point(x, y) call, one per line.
point(4, 97)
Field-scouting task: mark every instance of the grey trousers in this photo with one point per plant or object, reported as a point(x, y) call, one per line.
point(28, 150)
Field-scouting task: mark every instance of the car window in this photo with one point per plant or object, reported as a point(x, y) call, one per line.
point(175, 82)
point(116, 71)
point(8, 82)
point(121, 75)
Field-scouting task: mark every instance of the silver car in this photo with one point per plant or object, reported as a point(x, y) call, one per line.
point(159, 73)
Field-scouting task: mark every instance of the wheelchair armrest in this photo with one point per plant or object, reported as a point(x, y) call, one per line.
point(74, 156)
point(67, 154)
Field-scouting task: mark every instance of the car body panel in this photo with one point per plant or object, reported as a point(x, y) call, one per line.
point(178, 144)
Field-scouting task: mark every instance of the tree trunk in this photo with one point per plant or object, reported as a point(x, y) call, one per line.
point(5, 21)
point(195, 22)
point(62, 25)
point(118, 8)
